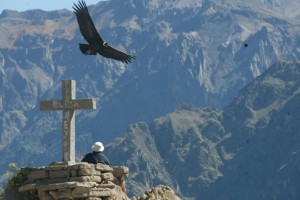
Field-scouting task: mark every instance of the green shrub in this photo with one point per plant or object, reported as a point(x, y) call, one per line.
point(19, 175)
point(1, 195)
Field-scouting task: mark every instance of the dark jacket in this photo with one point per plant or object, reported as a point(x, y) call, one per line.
point(96, 157)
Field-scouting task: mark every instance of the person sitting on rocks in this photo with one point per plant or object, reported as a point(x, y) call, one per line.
point(97, 156)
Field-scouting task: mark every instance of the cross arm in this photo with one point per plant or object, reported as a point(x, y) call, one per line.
point(67, 104)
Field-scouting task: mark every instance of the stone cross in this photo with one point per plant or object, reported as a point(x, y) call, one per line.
point(68, 105)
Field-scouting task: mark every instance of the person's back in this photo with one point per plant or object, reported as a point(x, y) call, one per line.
point(97, 156)
point(101, 158)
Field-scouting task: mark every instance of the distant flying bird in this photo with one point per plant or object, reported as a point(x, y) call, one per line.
point(90, 34)
point(246, 45)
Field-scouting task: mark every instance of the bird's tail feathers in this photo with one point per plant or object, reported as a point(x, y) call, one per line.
point(86, 49)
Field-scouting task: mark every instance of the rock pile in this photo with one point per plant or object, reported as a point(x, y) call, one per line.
point(83, 181)
point(158, 193)
point(79, 181)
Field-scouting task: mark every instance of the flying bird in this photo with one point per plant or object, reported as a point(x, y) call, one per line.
point(95, 43)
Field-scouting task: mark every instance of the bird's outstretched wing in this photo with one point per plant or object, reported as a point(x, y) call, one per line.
point(86, 25)
point(110, 52)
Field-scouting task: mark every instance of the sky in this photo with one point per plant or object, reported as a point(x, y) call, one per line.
point(21, 5)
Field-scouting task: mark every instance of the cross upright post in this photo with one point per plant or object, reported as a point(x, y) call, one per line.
point(68, 105)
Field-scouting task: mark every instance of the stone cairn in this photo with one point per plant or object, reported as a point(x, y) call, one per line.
point(79, 181)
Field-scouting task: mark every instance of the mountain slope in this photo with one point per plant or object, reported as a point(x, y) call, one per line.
point(270, 140)
point(249, 150)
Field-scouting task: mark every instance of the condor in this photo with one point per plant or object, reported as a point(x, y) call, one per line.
point(95, 43)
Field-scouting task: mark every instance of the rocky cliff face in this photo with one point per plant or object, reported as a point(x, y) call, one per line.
point(249, 150)
point(194, 52)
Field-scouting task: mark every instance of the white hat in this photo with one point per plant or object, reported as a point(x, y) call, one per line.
point(98, 147)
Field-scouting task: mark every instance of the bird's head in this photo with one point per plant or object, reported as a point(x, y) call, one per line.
point(105, 44)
